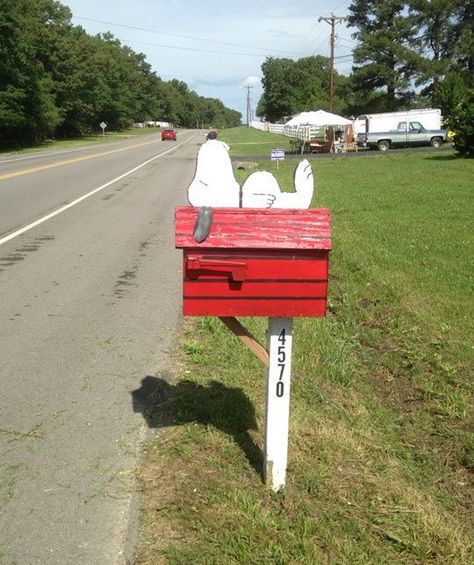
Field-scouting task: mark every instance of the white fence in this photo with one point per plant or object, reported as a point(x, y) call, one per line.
point(303, 133)
point(321, 139)
point(267, 126)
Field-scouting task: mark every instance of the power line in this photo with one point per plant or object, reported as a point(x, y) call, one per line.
point(214, 52)
point(312, 28)
point(155, 31)
point(347, 40)
point(320, 44)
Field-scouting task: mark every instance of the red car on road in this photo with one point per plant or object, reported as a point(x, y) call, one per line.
point(168, 134)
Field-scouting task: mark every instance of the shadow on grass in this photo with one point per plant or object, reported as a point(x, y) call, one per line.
point(444, 157)
point(227, 409)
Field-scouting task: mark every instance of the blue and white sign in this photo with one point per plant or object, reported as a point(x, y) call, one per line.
point(277, 155)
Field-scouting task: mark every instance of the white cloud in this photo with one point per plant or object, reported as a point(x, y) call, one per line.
point(251, 81)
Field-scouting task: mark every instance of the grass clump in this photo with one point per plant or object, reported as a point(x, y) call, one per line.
point(381, 443)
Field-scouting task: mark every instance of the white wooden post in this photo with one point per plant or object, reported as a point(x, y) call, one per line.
point(277, 402)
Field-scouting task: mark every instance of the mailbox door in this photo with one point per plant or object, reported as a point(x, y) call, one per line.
point(255, 283)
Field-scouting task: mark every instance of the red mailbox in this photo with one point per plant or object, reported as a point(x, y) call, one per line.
point(255, 262)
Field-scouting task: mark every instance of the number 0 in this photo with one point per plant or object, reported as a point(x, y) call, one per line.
point(280, 389)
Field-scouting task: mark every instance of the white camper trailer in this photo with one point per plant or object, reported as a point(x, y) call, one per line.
point(430, 119)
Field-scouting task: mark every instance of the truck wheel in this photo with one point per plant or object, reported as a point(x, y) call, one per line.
point(436, 142)
point(383, 145)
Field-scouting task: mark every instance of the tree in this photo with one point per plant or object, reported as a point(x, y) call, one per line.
point(294, 86)
point(311, 84)
point(278, 89)
point(456, 101)
point(463, 126)
point(385, 61)
point(435, 24)
point(55, 79)
point(450, 93)
point(28, 110)
point(463, 38)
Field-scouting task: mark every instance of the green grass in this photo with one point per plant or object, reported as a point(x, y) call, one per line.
point(246, 142)
point(95, 139)
point(381, 454)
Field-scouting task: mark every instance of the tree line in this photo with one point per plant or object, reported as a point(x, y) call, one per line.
point(58, 81)
point(407, 54)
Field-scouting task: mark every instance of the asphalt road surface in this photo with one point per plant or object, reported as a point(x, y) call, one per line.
point(90, 301)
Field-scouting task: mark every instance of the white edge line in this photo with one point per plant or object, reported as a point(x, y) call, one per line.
point(83, 197)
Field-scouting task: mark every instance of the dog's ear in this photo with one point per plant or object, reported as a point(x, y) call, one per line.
point(203, 223)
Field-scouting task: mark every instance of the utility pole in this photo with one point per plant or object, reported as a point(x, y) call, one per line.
point(332, 20)
point(249, 110)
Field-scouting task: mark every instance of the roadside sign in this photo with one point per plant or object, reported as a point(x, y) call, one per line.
point(103, 125)
point(277, 155)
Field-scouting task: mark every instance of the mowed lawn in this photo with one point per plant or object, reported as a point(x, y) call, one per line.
point(381, 453)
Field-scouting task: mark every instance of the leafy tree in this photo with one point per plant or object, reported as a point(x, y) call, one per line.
point(55, 79)
point(311, 83)
point(75, 82)
point(278, 90)
point(385, 61)
point(463, 125)
point(436, 23)
point(456, 101)
point(27, 104)
point(450, 94)
point(463, 39)
point(294, 86)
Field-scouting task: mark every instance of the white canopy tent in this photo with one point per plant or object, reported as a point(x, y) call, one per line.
point(318, 118)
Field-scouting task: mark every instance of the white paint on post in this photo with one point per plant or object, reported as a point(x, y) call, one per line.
point(277, 402)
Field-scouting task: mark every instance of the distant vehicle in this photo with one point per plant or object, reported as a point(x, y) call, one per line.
point(168, 134)
point(408, 128)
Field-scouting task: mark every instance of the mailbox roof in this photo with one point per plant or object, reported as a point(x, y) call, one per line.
point(252, 228)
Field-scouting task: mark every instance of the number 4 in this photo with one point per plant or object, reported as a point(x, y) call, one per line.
point(282, 337)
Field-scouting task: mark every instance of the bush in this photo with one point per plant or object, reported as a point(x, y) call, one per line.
point(462, 123)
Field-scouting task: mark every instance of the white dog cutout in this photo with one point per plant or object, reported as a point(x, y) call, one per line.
point(214, 183)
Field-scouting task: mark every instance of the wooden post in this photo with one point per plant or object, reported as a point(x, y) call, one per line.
point(246, 338)
point(277, 402)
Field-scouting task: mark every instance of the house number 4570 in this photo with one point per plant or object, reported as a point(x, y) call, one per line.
point(280, 385)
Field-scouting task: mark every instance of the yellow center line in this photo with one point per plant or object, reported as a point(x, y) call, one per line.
point(69, 161)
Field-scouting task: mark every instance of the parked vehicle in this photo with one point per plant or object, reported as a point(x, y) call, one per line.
point(408, 128)
point(168, 134)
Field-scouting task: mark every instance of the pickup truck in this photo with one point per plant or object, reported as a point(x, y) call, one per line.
point(406, 134)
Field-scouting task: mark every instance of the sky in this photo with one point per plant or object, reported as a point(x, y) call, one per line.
point(217, 47)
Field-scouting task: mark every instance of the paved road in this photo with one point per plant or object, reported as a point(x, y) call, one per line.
point(89, 306)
